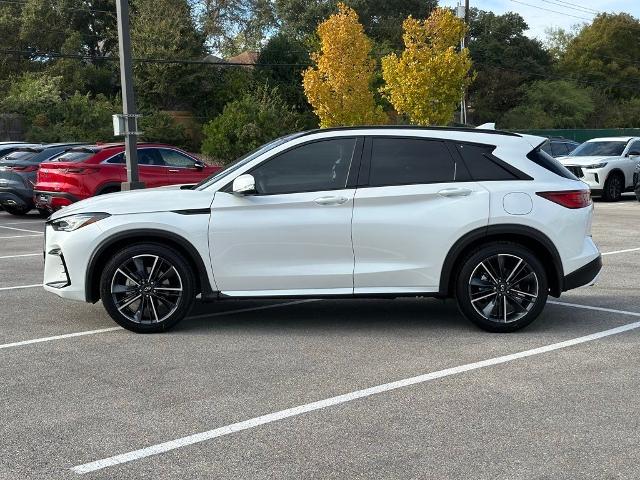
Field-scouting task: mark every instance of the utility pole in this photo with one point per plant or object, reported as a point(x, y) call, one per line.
point(128, 101)
point(463, 13)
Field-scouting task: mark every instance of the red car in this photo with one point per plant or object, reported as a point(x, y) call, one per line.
point(86, 171)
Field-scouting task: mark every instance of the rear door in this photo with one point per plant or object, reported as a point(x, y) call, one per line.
point(152, 168)
point(414, 203)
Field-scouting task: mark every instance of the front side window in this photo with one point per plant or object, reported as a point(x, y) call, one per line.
point(635, 147)
point(176, 159)
point(315, 166)
point(404, 161)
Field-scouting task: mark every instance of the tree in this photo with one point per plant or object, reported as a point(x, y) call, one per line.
point(503, 59)
point(338, 87)
point(606, 55)
point(247, 123)
point(551, 104)
point(232, 26)
point(294, 55)
point(164, 29)
point(426, 81)
point(382, 19)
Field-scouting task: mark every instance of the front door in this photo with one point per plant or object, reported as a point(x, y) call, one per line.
point(293, 237)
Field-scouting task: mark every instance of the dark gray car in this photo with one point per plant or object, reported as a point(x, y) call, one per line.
point(18, 174)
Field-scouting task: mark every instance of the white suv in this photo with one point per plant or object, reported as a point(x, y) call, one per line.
point(607, 165)
point(480, 215)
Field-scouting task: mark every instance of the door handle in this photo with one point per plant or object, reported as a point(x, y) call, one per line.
point(174, 171)
point(331, 200)
point(455, 192)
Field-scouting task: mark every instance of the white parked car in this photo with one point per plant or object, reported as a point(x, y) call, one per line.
point(607, 165)
point(480, 215)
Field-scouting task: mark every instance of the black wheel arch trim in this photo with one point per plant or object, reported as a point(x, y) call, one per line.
point(148, 234)
point(460, 246)
point(100, 190)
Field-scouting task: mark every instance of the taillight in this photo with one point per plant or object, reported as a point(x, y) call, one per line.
point(569, 198)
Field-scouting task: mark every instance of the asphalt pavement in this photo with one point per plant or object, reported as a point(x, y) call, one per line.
point(322, 389)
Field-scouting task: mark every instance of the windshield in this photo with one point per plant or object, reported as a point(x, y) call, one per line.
point(232, 167)
point(593, 149)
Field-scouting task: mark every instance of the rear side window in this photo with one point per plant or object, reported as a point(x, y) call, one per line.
point(405, 161)
point(73, 156)
point(482, 165)
point(539, 157)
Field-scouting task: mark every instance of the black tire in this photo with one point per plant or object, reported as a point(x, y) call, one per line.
point(15, 210)
point(613, 187)
point(160, 305)
point(510, 268)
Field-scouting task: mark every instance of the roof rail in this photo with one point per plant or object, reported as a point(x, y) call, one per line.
point(411, 127)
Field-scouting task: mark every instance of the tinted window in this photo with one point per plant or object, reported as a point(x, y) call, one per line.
point(571, 146)
point(635, 147)
point(119, 158)
point(480, 164)
point(73, 156)
point(558, 149)
point(176, 159)
point(19, 155)
point(315, 166)
point(149, 156)
point(545, 160)
point(608, 148)
point(403, 161)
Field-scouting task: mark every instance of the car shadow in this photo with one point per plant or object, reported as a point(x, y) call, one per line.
point(375, 316)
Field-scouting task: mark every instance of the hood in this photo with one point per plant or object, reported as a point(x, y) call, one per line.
point(582, 161)
point(141, 201)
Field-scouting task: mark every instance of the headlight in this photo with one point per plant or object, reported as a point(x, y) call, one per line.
point(597, 165)
point(74, 222)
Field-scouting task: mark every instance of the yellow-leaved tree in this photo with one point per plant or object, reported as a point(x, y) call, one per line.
point(338, 87)
point(427, 80)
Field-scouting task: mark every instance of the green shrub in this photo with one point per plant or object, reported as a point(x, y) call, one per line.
point(247, 123)
point(161, 127)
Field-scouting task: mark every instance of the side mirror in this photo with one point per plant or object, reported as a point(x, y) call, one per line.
point(199, 165)
point(244, 185)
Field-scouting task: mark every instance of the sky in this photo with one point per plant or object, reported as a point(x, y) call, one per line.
point(565, 13)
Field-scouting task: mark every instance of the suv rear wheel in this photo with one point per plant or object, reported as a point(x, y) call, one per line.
point(147, 288)
point(502, 287)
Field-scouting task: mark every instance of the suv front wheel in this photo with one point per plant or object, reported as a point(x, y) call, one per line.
point(147, 288)
point(501, 287)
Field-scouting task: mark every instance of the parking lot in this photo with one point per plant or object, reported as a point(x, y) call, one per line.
point(322, 388)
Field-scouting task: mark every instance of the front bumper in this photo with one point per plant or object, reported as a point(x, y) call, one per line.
point(585, 275)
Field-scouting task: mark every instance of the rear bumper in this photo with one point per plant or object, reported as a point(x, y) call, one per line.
point(53, 200)
point(15, 197)
point(585, 275)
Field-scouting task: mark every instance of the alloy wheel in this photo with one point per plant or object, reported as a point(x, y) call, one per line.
point(503, 288)
point(146, 289)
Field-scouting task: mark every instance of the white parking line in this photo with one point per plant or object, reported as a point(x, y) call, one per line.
point(20, 229)
point(22, 255)
point(622, 251)
point(22, 236)
point(349, 397)
point(92, 332)
point(19, 287)
point(59, 337)
point(26, 221)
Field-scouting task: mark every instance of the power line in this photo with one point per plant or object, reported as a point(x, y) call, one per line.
point(562, 3)
point(553, 11)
